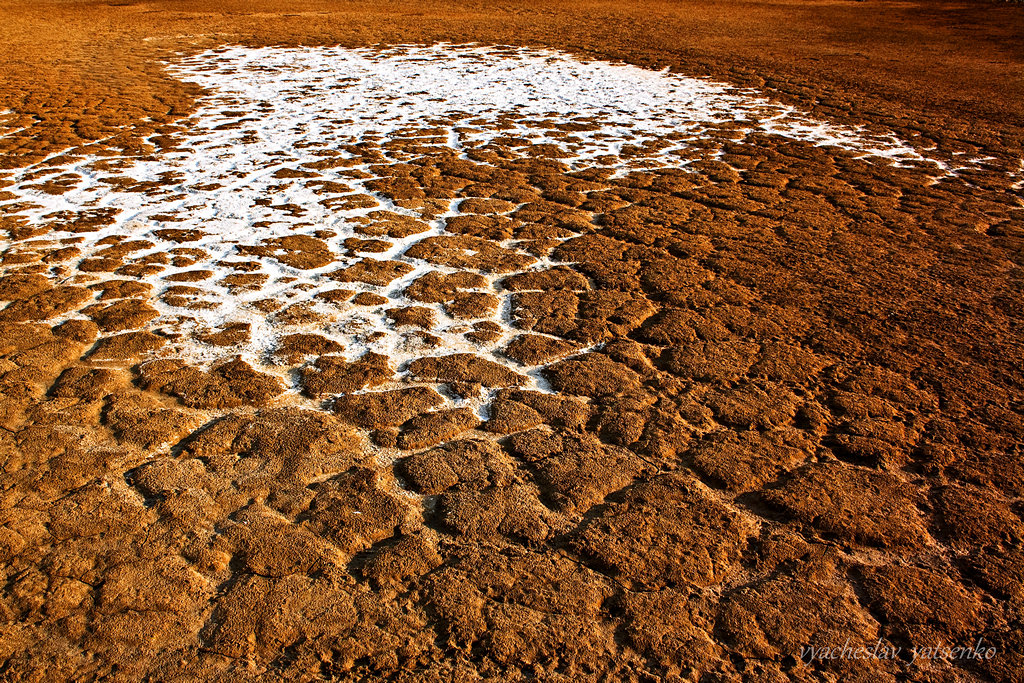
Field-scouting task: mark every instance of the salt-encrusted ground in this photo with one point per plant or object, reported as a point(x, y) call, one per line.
point(267, 198)
point(461, 362)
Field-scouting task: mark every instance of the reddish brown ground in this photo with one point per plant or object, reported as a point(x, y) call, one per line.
point(805, 426)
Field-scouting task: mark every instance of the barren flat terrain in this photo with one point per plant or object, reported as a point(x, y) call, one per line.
point(454, 341)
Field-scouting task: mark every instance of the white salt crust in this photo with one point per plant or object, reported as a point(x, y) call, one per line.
point(270, 109)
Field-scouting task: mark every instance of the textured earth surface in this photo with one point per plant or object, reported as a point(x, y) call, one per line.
point(472, 341)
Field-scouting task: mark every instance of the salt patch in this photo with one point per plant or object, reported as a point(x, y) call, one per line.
point(270, 112)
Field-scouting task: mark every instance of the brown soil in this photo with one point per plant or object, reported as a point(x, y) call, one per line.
point(787, 405)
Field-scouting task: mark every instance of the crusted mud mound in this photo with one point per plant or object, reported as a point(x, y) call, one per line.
point(475, 362)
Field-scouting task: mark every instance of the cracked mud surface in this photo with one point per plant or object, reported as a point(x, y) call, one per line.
point(457, 362)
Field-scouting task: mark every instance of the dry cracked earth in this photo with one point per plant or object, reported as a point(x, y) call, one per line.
point(419, 355)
